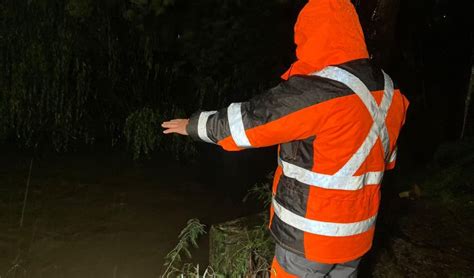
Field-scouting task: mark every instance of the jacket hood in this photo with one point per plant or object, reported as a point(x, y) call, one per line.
point(327, 32)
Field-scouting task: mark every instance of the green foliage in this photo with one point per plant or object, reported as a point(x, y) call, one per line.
point(80, 8)
point(3, 122)
point(262, 192)
point(452, 177)
point(260, 246)
point(78, 72)
point(242, 247)
point(159, 6)
point(45, 90)
point(454, 153)
point(187, 238)
point(141, 131)
point(239, 248)
point(195, 271)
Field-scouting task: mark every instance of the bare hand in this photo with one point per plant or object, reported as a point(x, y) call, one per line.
point(176, 126)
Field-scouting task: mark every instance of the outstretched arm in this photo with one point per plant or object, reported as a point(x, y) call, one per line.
point(281, 115)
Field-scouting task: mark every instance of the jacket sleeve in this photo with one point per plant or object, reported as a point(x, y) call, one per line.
point(283, 114)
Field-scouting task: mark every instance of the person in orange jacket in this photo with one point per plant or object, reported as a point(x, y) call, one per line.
point(336, 119)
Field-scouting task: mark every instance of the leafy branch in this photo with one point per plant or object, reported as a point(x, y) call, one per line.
point(187, 238)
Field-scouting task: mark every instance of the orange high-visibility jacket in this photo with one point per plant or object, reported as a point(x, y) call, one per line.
point(336, 119)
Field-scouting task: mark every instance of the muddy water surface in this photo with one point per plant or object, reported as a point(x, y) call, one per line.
point(95, 216)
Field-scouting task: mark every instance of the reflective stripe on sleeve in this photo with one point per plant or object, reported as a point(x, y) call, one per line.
point(329, 181)
point(237, 130)
point(320, 227)
point(202, 126)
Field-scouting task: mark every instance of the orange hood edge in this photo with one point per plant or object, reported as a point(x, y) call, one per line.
point(327, 32)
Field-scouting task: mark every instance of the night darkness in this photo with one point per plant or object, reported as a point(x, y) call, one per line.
point(91, 187)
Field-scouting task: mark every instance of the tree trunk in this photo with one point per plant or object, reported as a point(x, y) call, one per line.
point(468, 104)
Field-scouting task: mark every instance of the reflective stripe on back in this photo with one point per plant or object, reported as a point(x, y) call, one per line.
point(329, 181)
point(378, 114)
point(320, 227)
point(345, 178)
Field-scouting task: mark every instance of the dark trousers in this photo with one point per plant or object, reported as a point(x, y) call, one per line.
point(289, 264)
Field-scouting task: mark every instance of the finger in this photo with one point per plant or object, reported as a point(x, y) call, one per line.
point(169, 130)
point(174, 121)
point(169, 124)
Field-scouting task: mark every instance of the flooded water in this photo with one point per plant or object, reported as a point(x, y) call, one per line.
point(90, 216)
point(105, 216)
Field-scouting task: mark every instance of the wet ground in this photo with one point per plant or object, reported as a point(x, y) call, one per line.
point(101, 217)
point(430, 231)
point(426, 239)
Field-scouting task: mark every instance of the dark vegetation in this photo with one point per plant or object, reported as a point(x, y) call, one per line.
point(83, 76)
point(81, 72)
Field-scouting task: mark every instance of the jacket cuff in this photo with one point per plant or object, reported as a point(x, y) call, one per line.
point(192, 128)
point(197, 126)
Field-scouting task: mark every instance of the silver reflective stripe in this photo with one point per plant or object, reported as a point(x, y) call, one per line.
point(320, 227)
point(329, 181)
point(378, 114)
point(236, 125)
point(354, 163)
point(202, 126)
point(384, 106)
point(355, 84)
point(393, 157)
